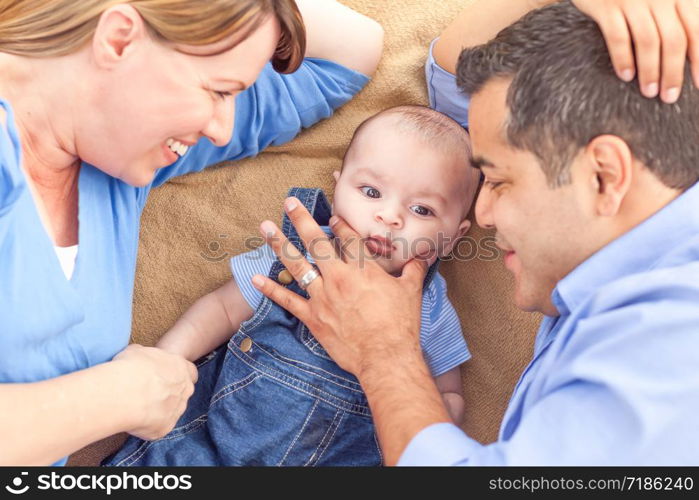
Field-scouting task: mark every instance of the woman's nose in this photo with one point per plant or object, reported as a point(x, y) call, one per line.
point(483, 210)
point(220, 128)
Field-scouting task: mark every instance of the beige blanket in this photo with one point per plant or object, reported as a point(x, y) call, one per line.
point(193, 222)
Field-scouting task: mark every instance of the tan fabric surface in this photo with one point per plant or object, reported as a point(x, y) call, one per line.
point(195, 219)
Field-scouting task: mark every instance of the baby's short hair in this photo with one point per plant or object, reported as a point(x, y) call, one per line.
point(436, 130)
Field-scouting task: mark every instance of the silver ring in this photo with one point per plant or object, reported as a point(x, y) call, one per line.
point(308, 278)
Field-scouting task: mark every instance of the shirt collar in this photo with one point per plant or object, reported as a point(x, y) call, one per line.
point(640, 249)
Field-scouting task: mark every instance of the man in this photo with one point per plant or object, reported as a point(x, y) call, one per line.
point(592, 190)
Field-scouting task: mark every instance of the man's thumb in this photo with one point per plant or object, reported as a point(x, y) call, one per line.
point(415, 271)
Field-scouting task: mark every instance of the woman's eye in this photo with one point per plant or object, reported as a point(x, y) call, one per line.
point(222, 95)
point(420, 210)
point(370, 192)
point(492, 184)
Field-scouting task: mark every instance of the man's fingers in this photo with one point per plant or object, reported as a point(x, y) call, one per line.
point(689, 16)
point(352, 246)
point(618, 39)
point(414, 271)
point(674, 50)
point(314, 239)
point(291, 301)
point(193, 372)
point(647, 42)
point(288, 254)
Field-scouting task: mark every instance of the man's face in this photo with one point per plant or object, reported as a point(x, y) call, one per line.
point(541, 229)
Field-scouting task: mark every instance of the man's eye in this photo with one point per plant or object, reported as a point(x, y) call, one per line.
point(420, 210)
point(370, 192)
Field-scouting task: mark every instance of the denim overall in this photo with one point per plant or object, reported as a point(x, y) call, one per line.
point(271, 396)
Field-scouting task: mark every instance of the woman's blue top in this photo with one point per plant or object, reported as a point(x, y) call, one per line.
point(50, 326)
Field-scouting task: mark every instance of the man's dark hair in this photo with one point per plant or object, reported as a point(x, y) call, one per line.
point(564, 92)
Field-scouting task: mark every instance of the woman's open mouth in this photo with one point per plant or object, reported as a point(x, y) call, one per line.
point(174, 149)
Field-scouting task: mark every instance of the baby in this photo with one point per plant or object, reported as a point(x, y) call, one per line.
point(272, 395)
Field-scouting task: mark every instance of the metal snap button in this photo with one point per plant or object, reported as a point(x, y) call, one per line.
point(246, 344)
point(285, 277)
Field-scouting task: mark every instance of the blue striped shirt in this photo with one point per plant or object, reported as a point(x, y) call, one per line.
point(441, 338)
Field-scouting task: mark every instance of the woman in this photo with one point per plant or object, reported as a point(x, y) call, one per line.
point(100, 101)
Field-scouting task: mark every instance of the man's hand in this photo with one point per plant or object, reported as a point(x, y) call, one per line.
point(356, 310)
point(366, 319)
point(664, 32)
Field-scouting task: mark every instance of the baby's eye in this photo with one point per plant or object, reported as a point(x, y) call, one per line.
point(370, 192)
point(420, 210)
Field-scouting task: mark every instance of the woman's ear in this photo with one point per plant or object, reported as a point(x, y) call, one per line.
point(336, 175)
point(118, 31)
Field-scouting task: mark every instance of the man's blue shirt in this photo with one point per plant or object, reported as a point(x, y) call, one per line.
point(615, 378)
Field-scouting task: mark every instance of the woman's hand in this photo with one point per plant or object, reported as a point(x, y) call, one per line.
point(163, 383)
point(664, 32)
point(359, 313)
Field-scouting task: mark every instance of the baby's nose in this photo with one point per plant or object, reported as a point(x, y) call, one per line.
point(390, 218)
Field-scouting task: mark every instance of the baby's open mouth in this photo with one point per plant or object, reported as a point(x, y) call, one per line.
point(378, 245)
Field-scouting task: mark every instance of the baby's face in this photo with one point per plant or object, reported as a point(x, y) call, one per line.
point(395, 187)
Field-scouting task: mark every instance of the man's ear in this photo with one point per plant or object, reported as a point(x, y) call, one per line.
point(118, 31)
point(612, 166)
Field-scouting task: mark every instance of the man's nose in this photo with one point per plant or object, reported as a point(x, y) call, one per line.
point(483, 211)
point(220, 128)
point(390, 217)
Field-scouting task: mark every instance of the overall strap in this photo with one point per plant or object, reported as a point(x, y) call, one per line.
point(315, 201)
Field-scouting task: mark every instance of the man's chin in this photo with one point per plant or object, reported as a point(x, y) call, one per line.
point(533, 301)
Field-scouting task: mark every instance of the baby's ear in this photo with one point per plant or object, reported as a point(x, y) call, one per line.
point(463, 228)
point(336, 175)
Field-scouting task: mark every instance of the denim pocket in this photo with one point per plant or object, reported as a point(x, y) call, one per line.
point(311, 343)
point(266, 421)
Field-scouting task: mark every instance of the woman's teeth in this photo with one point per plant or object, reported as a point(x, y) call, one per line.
point(177, 147)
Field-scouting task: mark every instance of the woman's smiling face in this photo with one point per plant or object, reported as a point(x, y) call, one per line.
point(154, 99)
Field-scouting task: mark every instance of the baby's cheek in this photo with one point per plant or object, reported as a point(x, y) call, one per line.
point(424, 248)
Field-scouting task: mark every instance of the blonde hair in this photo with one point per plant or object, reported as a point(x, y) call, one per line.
point(51, 28)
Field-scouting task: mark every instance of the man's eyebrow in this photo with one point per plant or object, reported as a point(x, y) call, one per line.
point(479, 162)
